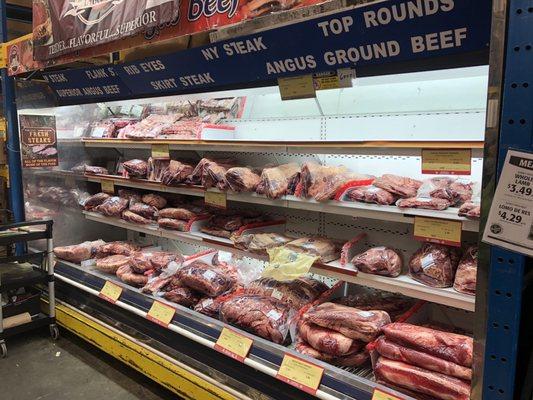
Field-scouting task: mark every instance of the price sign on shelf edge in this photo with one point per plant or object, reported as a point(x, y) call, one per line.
point(160, 151)
point(382, 395)
point(161, 313)
point(107, 186)
point(435, 230)
point(216, 199)
point(297, 87)
point(233, 344)
point(110, 292)
point(302, 374)
point(447, 161)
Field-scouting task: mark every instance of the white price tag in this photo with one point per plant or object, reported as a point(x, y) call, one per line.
point(510, 222)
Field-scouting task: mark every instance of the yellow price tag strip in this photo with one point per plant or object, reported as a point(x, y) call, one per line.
point(297, 87)
point(108, 187)
point(382, 395)
point(302, 374)
point(447, 161)
point(216, 199)
point(439, 231)
point(110, 292)
point(161, 313)
point(233, 344)
point(160, 151)
point(326, 81)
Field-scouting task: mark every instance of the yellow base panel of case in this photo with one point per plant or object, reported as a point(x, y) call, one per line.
point(167, 374)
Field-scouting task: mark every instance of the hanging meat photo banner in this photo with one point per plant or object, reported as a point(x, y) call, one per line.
point(38, 141)
point(65, 26)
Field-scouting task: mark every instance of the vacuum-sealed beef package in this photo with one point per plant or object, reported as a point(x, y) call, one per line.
point(434, 264)
point(466, 275)
point(379, 260)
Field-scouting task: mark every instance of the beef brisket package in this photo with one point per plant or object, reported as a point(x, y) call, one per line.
point(435, 264)
point(78, 252)
point(379, 260)
point(279, 181)
point(466, 275)
point(367, 194)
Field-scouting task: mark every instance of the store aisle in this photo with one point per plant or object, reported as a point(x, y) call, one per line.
point(70, 369)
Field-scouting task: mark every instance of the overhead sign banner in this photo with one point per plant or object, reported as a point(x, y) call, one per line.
point(510, 222)
point(66, 26)
point(38, 138)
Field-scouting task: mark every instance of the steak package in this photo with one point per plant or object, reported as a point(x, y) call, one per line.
point(154, 200)
point(144, 210)
point(434, 264)
point(173, 224)
point(260, 242)
point(266, 317)
point(136, 168)
point(454, 190)
point(206, 279)
point(466, 275)
point(470, 210)
point(242, 179)
point(372, 299)
point(427, 203)
point(399, 185)
point(452, 347)
point(111, 264)
point(328, 341)
point(379, 261)
point(176, 172)
point(421, 380)
point(279, 181)
point(129, 216)
point(350, 360)
point(95, 200)
point(109, 249)
point(369, 194)
point(78, 252)
point(89, 169)
point(324, 248)
point(113, 206)
point(178, 213)
point(182, 295)
point(126, 274)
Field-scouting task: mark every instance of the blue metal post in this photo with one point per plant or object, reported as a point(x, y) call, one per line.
point(16, 194)
point(506, 275)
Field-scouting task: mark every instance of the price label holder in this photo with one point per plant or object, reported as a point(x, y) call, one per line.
point(439, 231)
point(302, 374)
point(382, 395)
point(107, 186)
point(160, 151)
point(216, 199)
point(233, 344)
point(297, 87)
point(447, 161)
point(510, 221)
point(326, 80)
point(110, 292)
point(161, 313)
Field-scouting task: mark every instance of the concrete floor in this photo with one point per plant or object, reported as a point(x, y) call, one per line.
point(70, 369)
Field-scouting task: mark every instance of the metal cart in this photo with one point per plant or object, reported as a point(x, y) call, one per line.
point(27, 269)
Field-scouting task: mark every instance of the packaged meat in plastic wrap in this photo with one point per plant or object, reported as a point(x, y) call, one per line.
point(184, 213)
point(112, 207)
point(144, 210)
point(182, 295)
point(154, 200)
point(327, 340)
point(126, 274)
point(398, 352)
point(455, 190)
point(399, 185)
point(372, 299)
point(173, 224)
point(95, 200)
point(260, 242)
point(427, 203)
point(321, 247)
point(153, 260)
point(78, 252)
point(266, 317)
point(90, 169)
point(130, 195)
point(111, 264)
point(279, 181)
point(242, 179)
point(466, 275)
point(199, 175)
point(136, 168)
point(124, 248)
point(353, 323)
point(208, 306)
point(176, 172)
point(129, 216)
point(452, 347)
point(206, 279)
point(421, 380)
point(355, 359)
point(379, 260)
point(434, 264)
point(470, 210)
point(368, 194)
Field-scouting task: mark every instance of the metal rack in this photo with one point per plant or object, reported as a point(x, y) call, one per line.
point(39, 270)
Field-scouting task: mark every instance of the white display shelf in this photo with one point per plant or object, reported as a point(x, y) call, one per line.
point(355, 209)
point(402, 284)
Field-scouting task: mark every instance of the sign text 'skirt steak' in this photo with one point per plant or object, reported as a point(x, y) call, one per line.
point(65, 26)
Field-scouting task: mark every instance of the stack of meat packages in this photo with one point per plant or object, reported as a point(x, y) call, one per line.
point(424, 362)
point(442, 266)
point(227, 222)
point(267, 306)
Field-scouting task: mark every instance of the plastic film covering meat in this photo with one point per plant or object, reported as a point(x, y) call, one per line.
point(78, 252)
point(399, 185)
point(173, 224)
point(434, 264)
point(208, 306)
point(327, 340)
point(369, 194)
point(113, 206)
point(395, 351)
point(242, 179)
point(453, 347)
point(372, 299)
point(136, 168)
point(199, 174)
point(279, 181)
point(426, 203)
point(129, 216)
point(111, 264)
point(455, 190)
point(176, 172)
point(324, 248)
point(350, 360)
point(260, 242)
point(95, 200)
point(356, 324)
point(154, 200)
point(470, 210)
point(182, 295)
point(112, 248)
point(178, 213)
point(421, 380)
point(132, 196)
point(379, 261)
point(144, 210)
point(206, 279)
point(127, 275)
point(266, 317)
point(466, 275)
point(90, 169)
